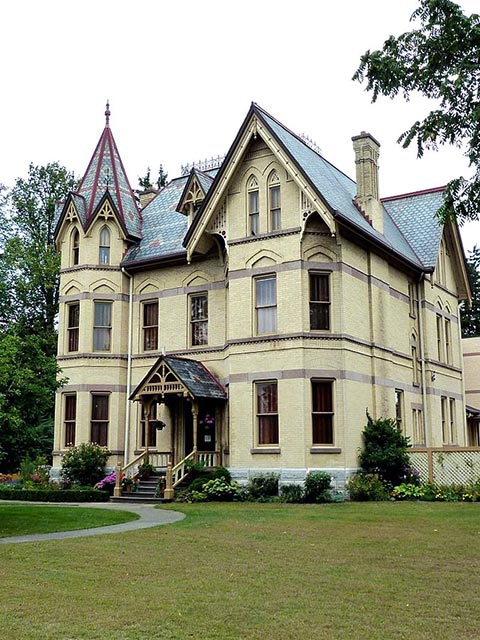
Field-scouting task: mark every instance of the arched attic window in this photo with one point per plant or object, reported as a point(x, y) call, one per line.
point(75, 254)
point(274, 202)
point(104, 246)
point(253, 206)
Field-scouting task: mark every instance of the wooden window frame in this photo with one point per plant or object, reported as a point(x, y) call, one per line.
point(315, 304)
point(198, 323)
point(70, 419)
point(73, 326)
point(261, 317)
point(267, 421)
point(104, 243)
point(253, 212)
point(399, 409)
point(323, 414)
point(102, 329)
point(150, 329)
point(75, 247)
point(99, 426)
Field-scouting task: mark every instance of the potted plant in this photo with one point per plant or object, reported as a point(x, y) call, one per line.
point(145, 470)
point(128, 484)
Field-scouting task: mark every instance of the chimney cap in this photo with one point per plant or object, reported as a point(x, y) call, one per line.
point(363, 135)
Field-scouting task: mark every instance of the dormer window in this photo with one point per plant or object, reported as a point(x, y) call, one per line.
point(104, 246)
point(75, 247)
point(253, 209)
point(274, 201)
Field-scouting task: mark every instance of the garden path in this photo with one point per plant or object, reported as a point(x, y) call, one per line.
point(149, 517)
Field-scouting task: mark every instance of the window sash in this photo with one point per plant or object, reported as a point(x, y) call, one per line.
point(70, 419)
point(199, 320)
point(73, 326)
point(75, 248)
point(267, 412)
point(104, 246)
point(150, 326)
point(319, 302)
point(99, 422)
point(266, 304)
point(102, 326)
point(275, 208)
point(322, 412)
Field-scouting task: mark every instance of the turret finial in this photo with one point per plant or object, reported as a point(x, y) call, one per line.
point(107, 114)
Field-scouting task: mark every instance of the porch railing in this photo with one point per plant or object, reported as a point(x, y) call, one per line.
point(158, 459)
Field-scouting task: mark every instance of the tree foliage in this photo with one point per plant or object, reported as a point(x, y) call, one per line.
point(441, 61)
point(385, 450)
point(29, 264)
point(471, 316)
point(85, 464)
point(146, 182)
point(29, 279)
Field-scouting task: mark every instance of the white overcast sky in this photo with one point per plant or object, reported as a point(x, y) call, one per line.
point(180, 77)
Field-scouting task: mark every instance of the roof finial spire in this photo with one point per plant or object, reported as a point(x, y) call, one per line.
point(107, 114)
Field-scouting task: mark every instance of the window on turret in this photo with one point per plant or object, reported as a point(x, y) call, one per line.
point(319, 301)
point(102, 326)
point(73, 325)
point(274, 202)
point(75, 247)
point(104, 248)
point(199, 319)
point(266, 304)
point(70, 419)
point(99, 422)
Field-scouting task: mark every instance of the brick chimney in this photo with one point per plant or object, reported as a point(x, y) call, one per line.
point(366, 161)
point(147, 196)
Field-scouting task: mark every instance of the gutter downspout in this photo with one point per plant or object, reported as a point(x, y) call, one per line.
point(422, 361)
point(129, 364)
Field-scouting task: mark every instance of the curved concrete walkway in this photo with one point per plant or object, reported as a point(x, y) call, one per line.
point(149, 517)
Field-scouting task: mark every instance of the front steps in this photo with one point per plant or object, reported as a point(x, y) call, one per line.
point(145, 492)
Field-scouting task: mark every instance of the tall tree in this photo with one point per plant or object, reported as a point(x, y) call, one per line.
point(29, 264)
point(471, 316)
point(440, 60)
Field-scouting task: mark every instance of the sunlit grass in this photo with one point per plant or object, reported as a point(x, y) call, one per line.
point(25, 519)
point(249, 571)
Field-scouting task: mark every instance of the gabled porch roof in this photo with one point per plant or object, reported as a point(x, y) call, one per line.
point(172, 375)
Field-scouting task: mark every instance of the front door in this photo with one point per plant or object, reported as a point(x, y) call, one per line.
point(205, 428)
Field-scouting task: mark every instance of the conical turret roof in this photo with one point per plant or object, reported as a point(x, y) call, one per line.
point(105, 174)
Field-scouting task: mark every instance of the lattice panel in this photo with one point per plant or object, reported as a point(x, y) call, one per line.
point(449, 467)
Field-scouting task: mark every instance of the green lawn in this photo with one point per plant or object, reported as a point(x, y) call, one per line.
point(24, 519)
point(255, 572)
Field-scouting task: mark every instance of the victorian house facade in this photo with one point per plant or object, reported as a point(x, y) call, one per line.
point(251, 314)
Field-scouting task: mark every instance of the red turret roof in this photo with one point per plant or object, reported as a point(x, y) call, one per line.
point(106, 174)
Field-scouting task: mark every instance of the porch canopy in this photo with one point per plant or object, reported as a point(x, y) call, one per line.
point(173, 378)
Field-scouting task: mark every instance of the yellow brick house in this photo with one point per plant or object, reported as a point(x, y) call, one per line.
point(250, 314)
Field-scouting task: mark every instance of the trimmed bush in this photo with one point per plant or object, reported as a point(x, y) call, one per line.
point(367, 487)
point(385, 451)
point(317, 487)
point(85, 463)
point(54, 495)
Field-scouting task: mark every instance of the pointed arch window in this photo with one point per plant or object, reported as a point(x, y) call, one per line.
point(253, 207)
point(274, 201)
point(75, 247)
point(104, 246)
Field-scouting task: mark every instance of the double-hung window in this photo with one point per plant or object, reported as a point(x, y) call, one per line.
point(73, 326)
point(99, 421)
point(75, 247)
point(150, 326)
point(199, 319)
point(70, 419)
point(319, 301)
point(322, 412)
point(266, 304)
point(267, 412)
point(102, 326)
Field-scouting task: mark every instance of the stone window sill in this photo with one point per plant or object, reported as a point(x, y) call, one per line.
point(259, 450)
point(325, 450)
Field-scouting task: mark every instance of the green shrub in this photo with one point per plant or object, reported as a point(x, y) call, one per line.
point(85, 463)
point(385, 451)
point(317, 487)
point(262, 487)
point(54, 495)
point(367, 487)
point(220, 490)
point(408, 491)
point(220, 472)
point(291, 493)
